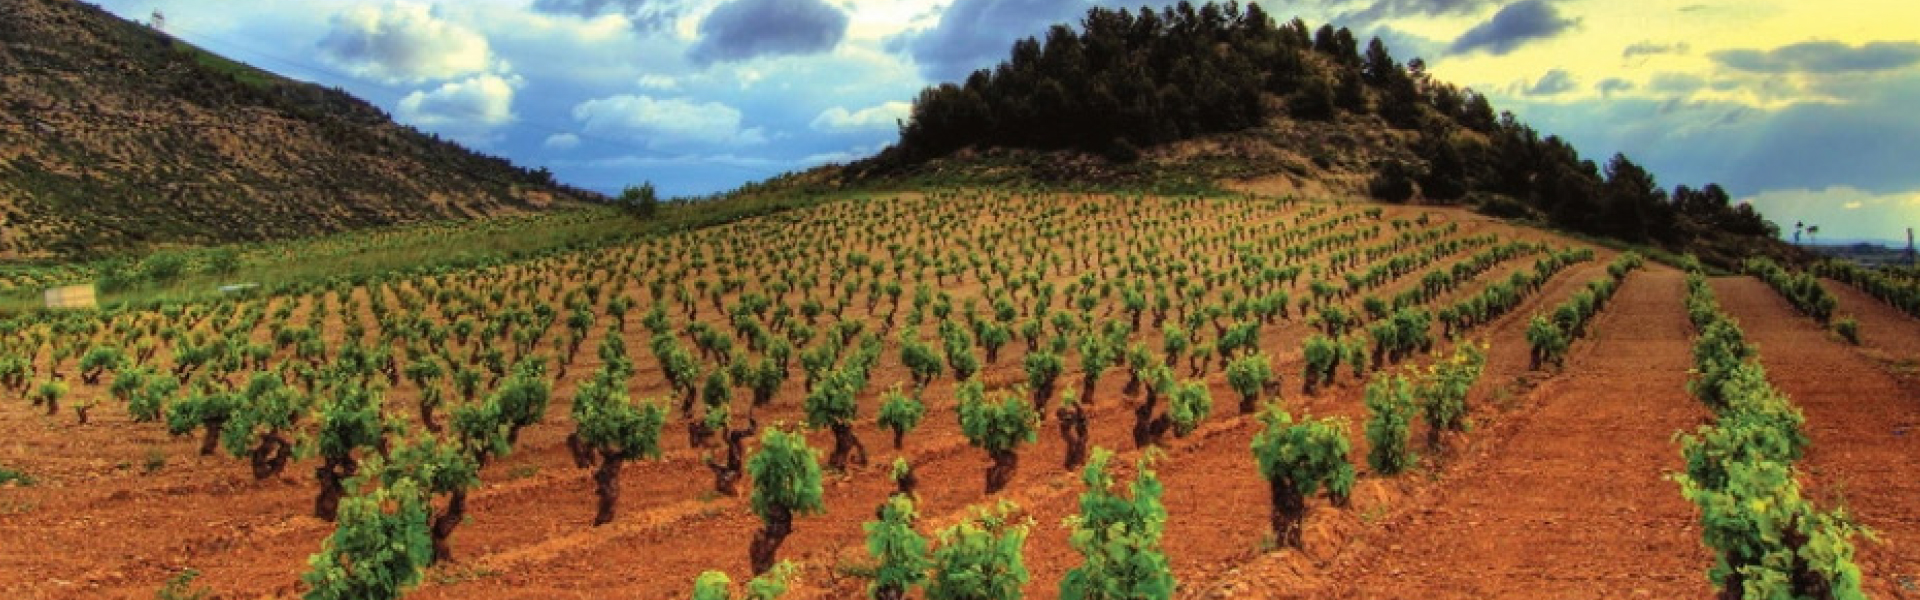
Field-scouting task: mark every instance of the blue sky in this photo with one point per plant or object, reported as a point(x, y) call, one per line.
point(1804, 108)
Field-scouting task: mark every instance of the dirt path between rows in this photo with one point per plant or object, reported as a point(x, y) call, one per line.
point(1574, 504)
point(1886, 334)
point(1864, 422)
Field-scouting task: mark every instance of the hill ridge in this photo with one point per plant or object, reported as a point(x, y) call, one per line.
point(115, 137)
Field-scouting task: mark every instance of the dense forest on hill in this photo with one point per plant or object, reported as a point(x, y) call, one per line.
point(1125, 81)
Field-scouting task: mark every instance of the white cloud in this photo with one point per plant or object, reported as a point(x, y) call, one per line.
point(731, 161)
point(667, 122)
point(485, 101)
point(659, 83)
point(884, 117)
point(562, 141)
point(403, 42)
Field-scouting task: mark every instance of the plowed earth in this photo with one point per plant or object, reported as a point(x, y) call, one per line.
point(1557, 493)
point(1863, 420)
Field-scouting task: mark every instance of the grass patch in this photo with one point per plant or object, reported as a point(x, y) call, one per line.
point(181, 587)
point(155, 461)
point(461, 574)
point(1373, 514)
point(402, 251)
point(14, 477)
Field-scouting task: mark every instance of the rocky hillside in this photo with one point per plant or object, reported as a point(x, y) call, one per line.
point(115, 138)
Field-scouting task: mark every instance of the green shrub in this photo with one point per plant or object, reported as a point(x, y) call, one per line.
point(620, 431)
point(997, 426)
point(1189, 404)
point(786, 480)
point(163, 267)
point(900, 413)
point(1249, 375)
point(1849, 329)
point(980, 558)
point(714, 585)
point(1442, 391)
point(833, 405)
point(1119, 536)
point(1390, 408)
point(1323, 356)
point(1299, 460)
point(900, 551)
point(181, 587)
point(351, 422)
point(1546, 341)
point(378, 550)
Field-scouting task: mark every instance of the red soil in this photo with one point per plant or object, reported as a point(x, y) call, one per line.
point(1557, 493)
point(1864, 423)
point(1886, 334)
point(1574, 505)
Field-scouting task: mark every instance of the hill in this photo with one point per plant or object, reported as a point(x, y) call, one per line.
point(116, 137)
point(1203, 96)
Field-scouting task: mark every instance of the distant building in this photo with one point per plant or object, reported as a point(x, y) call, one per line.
point(72, 296)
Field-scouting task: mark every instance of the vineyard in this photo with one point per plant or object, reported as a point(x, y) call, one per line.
point(969, 394)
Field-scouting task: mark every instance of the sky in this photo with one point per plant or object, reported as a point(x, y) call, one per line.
point(1806, 109)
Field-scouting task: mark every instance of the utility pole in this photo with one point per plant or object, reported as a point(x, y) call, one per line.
point(1910, 255)
point(159, 21)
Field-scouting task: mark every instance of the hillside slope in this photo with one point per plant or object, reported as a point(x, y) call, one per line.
point(1192, 97)
point(115, 137)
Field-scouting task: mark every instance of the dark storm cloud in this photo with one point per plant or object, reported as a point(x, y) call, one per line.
point(1613, 85)
point(1383, 10)
point(1553, 83)
point(1822, 57)
point(1676, 84)
point(1649, 48)
point(647, 15)
point(1513, 26)
point(743, 29)
point(976, 34)
point(1865, 144)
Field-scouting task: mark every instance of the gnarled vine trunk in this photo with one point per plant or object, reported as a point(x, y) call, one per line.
point(270, 457)
point(1289, 508)
point(1042, 395)
point(443, 525)
point(1001, 473)
point(767, 541)
point(332, 474)
point(428, 402)
point(212, 439)
point(698, 435)
point(1073, 431)
point(606, 485)
point(904, 484)
point(726, 474)
point(1147, 428)
point(582, 455)
point(846, 448)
